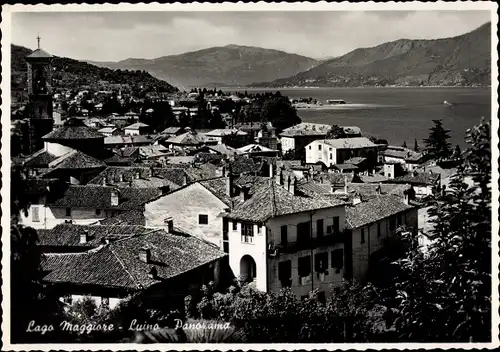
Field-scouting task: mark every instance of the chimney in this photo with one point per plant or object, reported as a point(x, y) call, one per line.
point(346, 186)
point(229, 184)
point(153, 273)
point(84, 237)
point(224, 171)
point(271, 170)
point(278, 175)
point(185, 179)
point(379, 188)
point(115, 197)
point(287, 182)
point(137, 175)
point(293, 185)
point(120, 178)
point(104, 180)
point(145, 255)
point(169, 224)
point(151, 172)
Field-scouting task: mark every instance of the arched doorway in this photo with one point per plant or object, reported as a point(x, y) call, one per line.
point(248, 268)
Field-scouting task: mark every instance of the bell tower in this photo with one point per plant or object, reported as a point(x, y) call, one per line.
point(40, 96)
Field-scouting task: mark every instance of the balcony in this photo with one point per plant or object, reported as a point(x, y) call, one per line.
point(315, 242)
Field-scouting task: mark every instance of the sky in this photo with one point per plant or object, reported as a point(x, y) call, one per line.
point(114, 36)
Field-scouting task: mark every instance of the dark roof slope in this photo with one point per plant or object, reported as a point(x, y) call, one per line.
point(39, 54)
point(117, 264)
point(268, 199)
point(73, 129)
point(374, 209)
point(75, 159)
point(99, 197)
point(418, 178)
point(132, 217)
point(41, 158)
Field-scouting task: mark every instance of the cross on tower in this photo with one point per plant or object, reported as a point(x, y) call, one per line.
point(38, 39)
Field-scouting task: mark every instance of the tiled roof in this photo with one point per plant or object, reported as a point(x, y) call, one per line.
point(355, 161)
point(40, 158)
point(215, 159)
point(402, 153)
point(335, 179)
point(372, 189)
point(75, 159)
point(39, 54)
point(188, 138)
point(139, 177)
point(136, 126)
point(306, 129)
point(68, 235)
point(152, 151)
point(225, 132)
point(128, 139)
point(418, 178)
point(180, 159)
point(201, 172)
point(375, 178)
point(39, 185)
point(132, 217)
point(171, 130)
point(349, 143)
point(254, 148)
point(268, 200)
point(218, 186)
point(99, 197)
point(223, 149)
point(345, 167)
point(73, 129)
point(117, 265)
point(244, 165)
point(374, 209)
point(107, 130)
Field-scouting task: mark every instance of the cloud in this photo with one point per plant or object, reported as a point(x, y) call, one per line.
point(119, 35)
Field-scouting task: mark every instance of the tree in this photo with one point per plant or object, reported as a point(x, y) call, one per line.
point(404, 145)
point(437, 145)
point(336, 132)
point(444, 294)
point(280, 112)
point(415, 146)
point(457, 152)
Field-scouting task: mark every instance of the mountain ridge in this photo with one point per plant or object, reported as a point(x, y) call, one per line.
point(461, 60)
point(232, 65)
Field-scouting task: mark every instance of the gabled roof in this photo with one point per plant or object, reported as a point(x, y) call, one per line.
point(75, 159)
point(128, 139)
point(269, 200)
point(132, 217)
point(39, 54)
point(306, 129)
point(402, 153)
point(41, 158)
point(188, 138)
point(255, 148)
point(68, 235)
point(241, 165)
point(418, 178)
point(171, 130)
point(99, 197)
point(73, 129)
point(136, 126)
point(349, 143)
point(373, 210)
point(223, 149)
point(107, 129)
point(117, 264)
point(225, 132)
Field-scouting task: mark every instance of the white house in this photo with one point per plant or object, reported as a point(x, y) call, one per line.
point(137, 128)
point(295, 138)
point(271, 233)
point(335, 151)
point(195, 208)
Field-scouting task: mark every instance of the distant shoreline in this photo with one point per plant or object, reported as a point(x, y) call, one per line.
point(357, 87)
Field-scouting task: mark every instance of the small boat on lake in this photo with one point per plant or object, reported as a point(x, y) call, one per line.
point(336, 101)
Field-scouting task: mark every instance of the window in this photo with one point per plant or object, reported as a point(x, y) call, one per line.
point(35, 214)
point(68, 211)
point(310, 147)
point(320, 226)
point(331, 148)
point(98, 212)
point(202, 219)
point(378, 229)
point(331, 156)
point(247, 233)
point(321, 262)
point(338, 259)
point(225, 245)
point(389, 175)
point(336, 224)
point(235, 225)
point(362, 235)
point(285, 273)
point(258, 229)
point(304, 232)
point(305, 266)
point(284, 234)
point(319, 146)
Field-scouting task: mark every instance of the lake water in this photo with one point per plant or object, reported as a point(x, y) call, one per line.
point(399, 114)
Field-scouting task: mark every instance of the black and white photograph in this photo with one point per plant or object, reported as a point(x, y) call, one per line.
point(250, 176)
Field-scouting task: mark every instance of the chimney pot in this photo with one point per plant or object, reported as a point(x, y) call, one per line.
point(169, 224)
point(84, 237)
point(115, 197)
point(120, 177)
point(145, 255)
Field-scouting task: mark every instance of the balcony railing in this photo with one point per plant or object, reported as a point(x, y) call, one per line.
point(315, 242)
